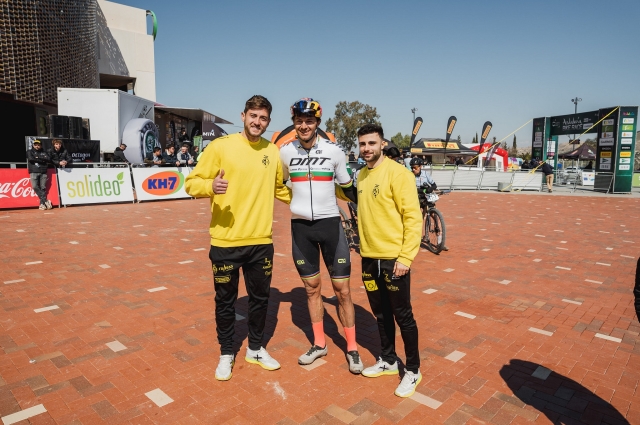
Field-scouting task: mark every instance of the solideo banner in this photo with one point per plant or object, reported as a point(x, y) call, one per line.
point(94, 185)
point(16, 191)
point(160, 182)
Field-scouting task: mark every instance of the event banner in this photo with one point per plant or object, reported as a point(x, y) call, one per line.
point(16, 191)
point(160, 182)
point(94, 185)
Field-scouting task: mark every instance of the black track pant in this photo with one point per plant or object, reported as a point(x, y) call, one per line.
point(257, 265)
point(391, 299)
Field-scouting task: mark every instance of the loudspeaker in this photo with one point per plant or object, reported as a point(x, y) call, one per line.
point(58, 126)
point(86, 129)
point(75, 128)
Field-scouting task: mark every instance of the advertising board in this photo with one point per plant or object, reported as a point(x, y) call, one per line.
point(160, 182)
point(16, 191)
point(94, 185)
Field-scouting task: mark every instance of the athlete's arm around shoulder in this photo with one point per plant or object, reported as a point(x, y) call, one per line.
point(199, 183)
point(284, 160)
point(345, 189)
point(282, 192)
point(403, 187)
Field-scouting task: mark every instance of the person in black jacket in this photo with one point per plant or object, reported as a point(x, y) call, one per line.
point(154, 159)
point(59, 155)
point(37, 165)
point(548, 174)
point(118, 154)
point(170, 157)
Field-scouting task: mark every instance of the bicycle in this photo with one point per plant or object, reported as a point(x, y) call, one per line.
point(350, 225)
point(434, 229)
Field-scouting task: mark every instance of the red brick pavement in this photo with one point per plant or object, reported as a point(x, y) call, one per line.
point(516, 263)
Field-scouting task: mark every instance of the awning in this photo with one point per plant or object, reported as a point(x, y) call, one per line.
point(583, 152)
point(437, 146)
point(192, 114)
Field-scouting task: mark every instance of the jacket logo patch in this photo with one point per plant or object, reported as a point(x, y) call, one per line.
point(265, 160)
point(376, 191)
point(370, 285)
point(366, 274)
point(393, 288)
point(267, 264)
point(222, 279)
point(299, 262)
point(319, 151)
point(342, 260)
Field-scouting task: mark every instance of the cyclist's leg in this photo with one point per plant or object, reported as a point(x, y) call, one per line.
point(306, 257)
point(337, 259)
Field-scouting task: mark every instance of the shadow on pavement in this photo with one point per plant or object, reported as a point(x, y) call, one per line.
point(561, 399)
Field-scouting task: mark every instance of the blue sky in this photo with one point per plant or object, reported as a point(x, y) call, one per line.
point(503, 61)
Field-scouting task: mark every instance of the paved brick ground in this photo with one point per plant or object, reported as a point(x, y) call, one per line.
point(548, 332)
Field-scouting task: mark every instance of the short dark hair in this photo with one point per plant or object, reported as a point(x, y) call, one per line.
point(122, 144)
point(157, 148)
point(258, 102)
point(370, 129)
point(185, 145)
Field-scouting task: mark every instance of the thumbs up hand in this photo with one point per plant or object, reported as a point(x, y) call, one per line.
point(220, 184)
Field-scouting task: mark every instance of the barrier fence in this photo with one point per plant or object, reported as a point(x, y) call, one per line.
point(105, 182)
point(93, 183)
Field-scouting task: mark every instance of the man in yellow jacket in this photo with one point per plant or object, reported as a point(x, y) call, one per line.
point(389, 223)
point(241, 173)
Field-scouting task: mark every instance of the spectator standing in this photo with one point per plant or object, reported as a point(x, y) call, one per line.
point(183, 136)
point(407, 160)
point(547, 170)
point(459, 161)
point(352, 157)
point(37, 165)
point(59, 155)
point(118, 154)
point(170, 157)
point(154, 159)
point(184, 157)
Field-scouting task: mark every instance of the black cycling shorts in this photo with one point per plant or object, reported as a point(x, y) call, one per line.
point(309, 237)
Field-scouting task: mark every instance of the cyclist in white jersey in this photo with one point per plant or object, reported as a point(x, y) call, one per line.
point(314, 166)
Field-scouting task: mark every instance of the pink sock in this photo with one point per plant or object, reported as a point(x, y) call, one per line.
point(318, 334)
point(350, 333)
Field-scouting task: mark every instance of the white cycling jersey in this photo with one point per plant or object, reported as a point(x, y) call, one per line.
point(312, 175)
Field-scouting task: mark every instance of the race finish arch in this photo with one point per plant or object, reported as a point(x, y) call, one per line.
point(616, 135)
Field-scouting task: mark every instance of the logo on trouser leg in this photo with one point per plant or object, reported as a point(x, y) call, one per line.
point(370, 285)
point(267, 264)
point(222, 279)
point(223, 268)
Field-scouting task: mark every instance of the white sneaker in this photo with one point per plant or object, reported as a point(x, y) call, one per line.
point(408, 384)
point(311, 355)
point(223, 371)
point(261, 358)
point(48, 204)
point(355, 364)
point(42, 207)
point(381, 368)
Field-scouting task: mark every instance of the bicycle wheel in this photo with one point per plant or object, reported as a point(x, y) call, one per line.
point(434, 231)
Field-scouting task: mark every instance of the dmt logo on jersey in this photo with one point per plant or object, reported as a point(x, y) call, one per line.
point(163, 183)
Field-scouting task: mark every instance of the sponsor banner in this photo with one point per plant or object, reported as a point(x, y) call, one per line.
point(608, 122)
point(568, 124)
point(627, 127)
point(16, 190)
point(605, 155)
point(627, 134)
point(94, 185)
point(160, 182)
point(625, 160)
point(607, 134)
point(626, 154)
point(538, 134)
point(605, 166)
point(606, 142)
point(626, 141)
point(537, 144)
point(624, 167)
point(628, 120)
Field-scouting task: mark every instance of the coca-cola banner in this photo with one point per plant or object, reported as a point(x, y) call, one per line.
point(16, 191)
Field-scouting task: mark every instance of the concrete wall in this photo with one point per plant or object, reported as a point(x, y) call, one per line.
point(132, 54)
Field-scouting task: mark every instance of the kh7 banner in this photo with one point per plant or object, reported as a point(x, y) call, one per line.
point(94, 185)
point(160, 182)
point(16, 190)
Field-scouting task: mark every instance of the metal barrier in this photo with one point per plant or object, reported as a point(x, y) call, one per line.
point(468, 178)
